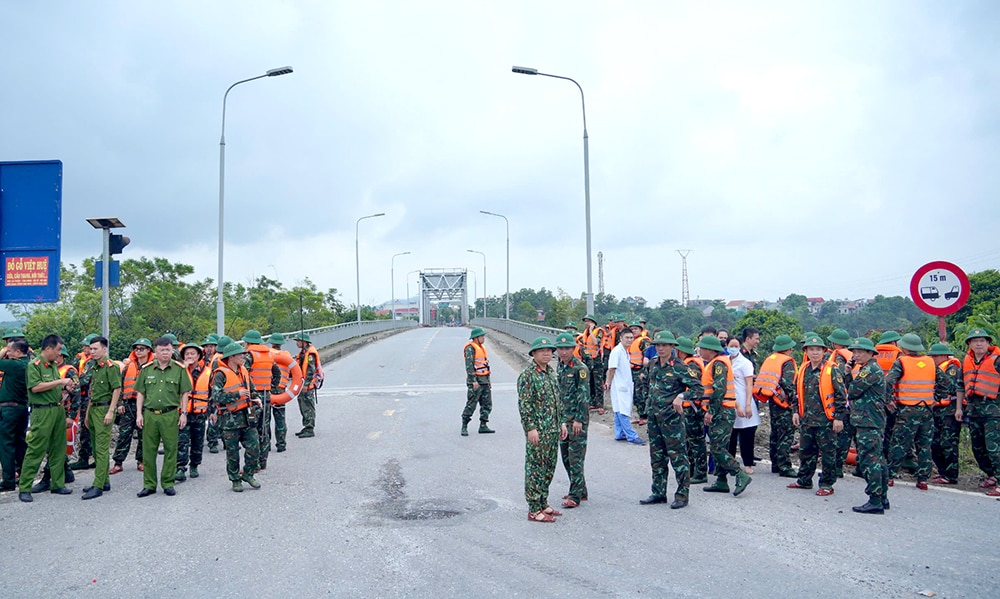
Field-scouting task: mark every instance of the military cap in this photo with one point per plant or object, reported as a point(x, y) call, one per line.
point(88, 339)
point(685, 345)
point(782, 343)
point(276, 339)
point(889, 337)
point(232, 349)
point(571, 325)
point(940, 349)
point(711, 342)
point(863, 343)
point(840, 337)
point(143, 342)
point(13, 333)
point(813, 340)
point(542, 342)
point(591, 318)
point(565, 340)
point(664, 338)
point(911, 342)
point(304, 336)
point(978, 333)
point(253, 336)
point(211, 339)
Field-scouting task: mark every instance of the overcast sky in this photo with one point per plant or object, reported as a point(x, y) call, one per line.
point(795, 147)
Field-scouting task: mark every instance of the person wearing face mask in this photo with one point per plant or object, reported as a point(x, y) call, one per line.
point(747, 416)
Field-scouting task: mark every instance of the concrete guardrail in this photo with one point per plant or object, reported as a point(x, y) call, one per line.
point(519, 330)
point(327, 336)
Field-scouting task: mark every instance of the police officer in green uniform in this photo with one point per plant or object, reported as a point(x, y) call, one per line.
point(161, 402)
point(48, 420)
point(13, 410)
point(104, 381)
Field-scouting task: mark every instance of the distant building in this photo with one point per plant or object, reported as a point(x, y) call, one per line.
point(815, 303)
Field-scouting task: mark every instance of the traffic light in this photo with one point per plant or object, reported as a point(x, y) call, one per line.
point(117, 243)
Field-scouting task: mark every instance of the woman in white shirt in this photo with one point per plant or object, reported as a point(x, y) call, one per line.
point(747, 416)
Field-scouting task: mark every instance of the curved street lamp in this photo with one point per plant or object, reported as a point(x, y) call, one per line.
point(484, 278)
point(506, 300)
point(357, 259)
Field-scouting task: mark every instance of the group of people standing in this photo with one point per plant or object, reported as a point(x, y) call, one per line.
point(176, 394)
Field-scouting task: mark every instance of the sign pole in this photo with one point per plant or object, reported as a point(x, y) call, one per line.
point(942, 331)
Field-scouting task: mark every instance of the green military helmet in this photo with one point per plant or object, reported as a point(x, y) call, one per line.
point(684, 344)
point(276, 339)
point(223, 341)
point(173, 338)
point(142, 341)
point(253, 336)
point(233, 349)
point(89, 338)
point(637, 324)
point(201, 352)
point(911, 342)
point(570, 325)
point(813, 340)
point(840, 337)
point(889, 337)
point(711, 342)
point(64, 352)
point(565, 340)
point(783, 343)
point(304, 336)
point(13, 333)
point(476, 332)
point(863, 343)
point(591, 318)
point(542, 342)
point(977, 334)
point(211, 339)
point(940, 349)
point(809, 334)
point(664, 338)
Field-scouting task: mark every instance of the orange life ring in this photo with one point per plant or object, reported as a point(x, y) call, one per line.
point(294, 385)
point(852, 457)
point(70, 438)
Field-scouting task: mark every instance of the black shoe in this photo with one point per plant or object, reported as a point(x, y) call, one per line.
point(41, 487)
point(145, 492)
point(485, 430)
point(82, 464)
point(69, 477)
point(869, 508)
point(699, 480)
point(25, 497)
point(4, 488)
point(857, 473)
point(653, 499)
point(169, 492)
point(213, 449)
point(61, 491)
point(92, 493)
point(106, 488)
point(678, 504)
point(885, 504)
point(280, 449)
point(788, 474)
point(306, 434)
point(775, 469)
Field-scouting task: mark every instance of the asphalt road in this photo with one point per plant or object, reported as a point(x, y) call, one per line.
point(389, 501)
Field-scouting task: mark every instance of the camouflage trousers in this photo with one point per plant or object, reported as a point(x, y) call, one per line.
point(668, 444)
point(984, 432)
point(640, 393)
point(483, 397)
point(264, 430)
point(573, 451)
point(539, 467)
point(597, 375)
point(237, 429)
point(280, 427)
point(872, 463)
point(213, 434)
point(914, 430)
point(191, 442)
point(126, 430)
point(813, 441)
point(694, 435)
point(890, 425)
point(844, 439)
point(782, 438)
point(718, 439)
point(307, 408)
point(944, 446)
point(84, 448)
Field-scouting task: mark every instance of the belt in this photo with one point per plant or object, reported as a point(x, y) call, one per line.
point(42, 406)
point(158, 412)
point(11, 404)
point(97, 405)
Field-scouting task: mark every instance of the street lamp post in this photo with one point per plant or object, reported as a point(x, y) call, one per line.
point(106, 224)
point(484, 278)
point(357, 259)
point(507, 297)
point(392, 281)
point(586, 175)
point(220, 305)
point(475, 292)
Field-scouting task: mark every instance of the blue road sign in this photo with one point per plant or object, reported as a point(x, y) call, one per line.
point(114, 270)
point(30, 231)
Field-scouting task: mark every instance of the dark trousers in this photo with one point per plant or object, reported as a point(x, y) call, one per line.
point(13, 427)
point(126, 430)
point(745, 437)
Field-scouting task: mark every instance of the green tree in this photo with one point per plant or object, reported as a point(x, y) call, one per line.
point(793, 302)
point(771, 323)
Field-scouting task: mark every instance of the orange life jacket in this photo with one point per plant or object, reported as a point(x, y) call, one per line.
point(846, 354)
point(589, 342)
point(304, 365)
point(64, 372)
point(826, 392)
point(198, 398)
point(234, 382)
point(635, 356)
point(729, 400)
point(480, 363)
point(916, 386)
point(131, 374)
point(767, 385)
point(697, 361)
point(887, 354)
point(944, 368)
point(981, 379)
point(260, 370)
point(608, 341)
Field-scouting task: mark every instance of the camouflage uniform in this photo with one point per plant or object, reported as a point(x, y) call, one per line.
point(914, 427)
point(237, 427)
point(193, 430)
point(984, 426)
point(538, 404)
point(574, 392)
point(816, 435)
point(944, 446)
point(667, 438)
point(846, 436)
point(83, 446)
point(721, 427)
point(596, 367)
point(640, 383)
point(782, 428)
point(481, 396)
point(264, 422)
point(307, 397)
point(867, 396)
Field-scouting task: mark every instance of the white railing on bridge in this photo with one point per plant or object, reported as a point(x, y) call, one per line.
point(521, 330)
point(326, 336)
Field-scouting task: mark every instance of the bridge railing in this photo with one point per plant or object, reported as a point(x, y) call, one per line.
point(327, 336)
point(520, 330)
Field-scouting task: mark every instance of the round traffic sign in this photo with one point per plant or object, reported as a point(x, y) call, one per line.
point(939, 288)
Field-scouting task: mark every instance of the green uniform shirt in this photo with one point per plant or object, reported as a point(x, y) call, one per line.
point(953, 374)
point(101, 379)
point(867, 396)
point(787, 383)
point(814, 414)
point(538, 400)
point(162, 388)
point(14, 387)
point(667, 381)
point(574, 391)
point(40, 371)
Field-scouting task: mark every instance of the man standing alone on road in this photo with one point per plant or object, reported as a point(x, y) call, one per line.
point(477, 379)
point(161, 393)
point(619, 383)
point(538, 404)
point(309, 363)
point(574, 392)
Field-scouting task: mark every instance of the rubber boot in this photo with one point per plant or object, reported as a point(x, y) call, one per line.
point(238, 486)
point(194, 472)
point(483, 429)
point(250, 480)
point(465, 427)
point(742, 480)
point(719, 486)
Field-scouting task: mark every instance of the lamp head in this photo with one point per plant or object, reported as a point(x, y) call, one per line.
point(524, 70)
point(279, 71)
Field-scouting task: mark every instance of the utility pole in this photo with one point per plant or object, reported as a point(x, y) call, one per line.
point(600, 272)
point(685, 291)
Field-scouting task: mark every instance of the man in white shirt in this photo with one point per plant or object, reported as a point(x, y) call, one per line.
point(619, 383)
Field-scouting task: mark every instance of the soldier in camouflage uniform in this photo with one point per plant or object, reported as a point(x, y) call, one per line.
point(142, 349)
point(477, 379)
point(593, 337)
point(867, 396)
point(914, 397)
point(84, 448)
point(694, 417)
point(640, 385)
point(308, 359)
point(191, 438)
point(538, 404)
point(947, 418)
point(230, 403)
point(720, 414)
point(980, 385)
point(213, 436)
point(840, 340)
point(671, 382)
point(574, 393)
point(781, 396)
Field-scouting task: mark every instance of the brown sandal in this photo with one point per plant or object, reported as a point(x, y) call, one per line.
point(824, 492)
point(552, 511)
point(569, 503)
point(540, 516)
